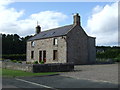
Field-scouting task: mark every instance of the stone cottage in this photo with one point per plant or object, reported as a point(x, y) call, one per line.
point(64, 44)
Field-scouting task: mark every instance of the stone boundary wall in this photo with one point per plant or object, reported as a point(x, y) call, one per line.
point(17, 66)
point(35, 68)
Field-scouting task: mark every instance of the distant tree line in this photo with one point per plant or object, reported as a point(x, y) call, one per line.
point(107, 52)
point(14, 46)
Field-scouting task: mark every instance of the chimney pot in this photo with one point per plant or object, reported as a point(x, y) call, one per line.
point(38, 29)
point(76, 19)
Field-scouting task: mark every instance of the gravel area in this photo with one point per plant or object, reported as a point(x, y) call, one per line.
point(98, 73)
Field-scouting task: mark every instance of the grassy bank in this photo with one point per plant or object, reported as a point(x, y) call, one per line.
point(17, 73)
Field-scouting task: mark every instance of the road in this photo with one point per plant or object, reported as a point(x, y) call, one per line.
point(53, 82)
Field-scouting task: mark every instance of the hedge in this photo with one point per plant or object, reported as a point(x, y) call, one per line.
point(21, 57)
point(110, 53)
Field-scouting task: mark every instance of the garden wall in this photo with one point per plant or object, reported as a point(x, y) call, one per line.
point(56, 67)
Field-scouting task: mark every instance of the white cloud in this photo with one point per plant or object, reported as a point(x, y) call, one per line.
point(10, 21)
point(46, 19)
point(5, 2)
point(103, 24)
point(97, 9)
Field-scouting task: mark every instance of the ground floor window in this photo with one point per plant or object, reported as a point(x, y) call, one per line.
point(32, 54)
point(55, 55)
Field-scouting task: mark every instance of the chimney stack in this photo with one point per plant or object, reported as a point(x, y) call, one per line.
point(38, 29)
point(76, 19)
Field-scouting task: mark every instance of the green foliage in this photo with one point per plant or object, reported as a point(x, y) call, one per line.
point(35, 62)
point(15, 56)
point(15, 61)
point(28, 62)
point(117, 59)
point(42, 62)
point(14, 44)
point(19, 61)
point(109, 52)
point(1, 59)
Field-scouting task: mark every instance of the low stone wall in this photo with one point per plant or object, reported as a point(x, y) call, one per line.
point(17, 66)
point(56, 67)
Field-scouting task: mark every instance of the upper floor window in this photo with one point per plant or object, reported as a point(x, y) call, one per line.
point(55, 41)
point(32, 43)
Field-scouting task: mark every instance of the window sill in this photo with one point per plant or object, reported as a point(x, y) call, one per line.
point(55, 60)
point(55, 45)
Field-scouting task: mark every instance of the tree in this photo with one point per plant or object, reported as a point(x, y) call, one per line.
point(14, 44)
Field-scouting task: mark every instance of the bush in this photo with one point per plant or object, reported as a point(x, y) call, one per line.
point(104, 61)
point(117, 59)
point(113, 54)
point(35, 62)
point(42, 62)
point(1, 59)
point(19, 61)
point(28, 62)
point(15, 61)
point(15, 57)
point(110, 53)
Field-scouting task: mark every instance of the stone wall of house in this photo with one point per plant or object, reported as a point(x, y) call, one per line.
point(35, 68)
point(92, 50)
point(47, 44)
point(78, 46)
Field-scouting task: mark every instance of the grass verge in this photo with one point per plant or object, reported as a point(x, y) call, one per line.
point(18, 73)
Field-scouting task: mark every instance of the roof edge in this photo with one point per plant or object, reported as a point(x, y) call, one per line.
point(71, 28)
point(52, 30)
point(47, 37)
point(92, 37)
point(55, 28)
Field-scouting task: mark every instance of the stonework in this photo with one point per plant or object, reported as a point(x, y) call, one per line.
point(73, 45)
point(47, 45)
point(35, 68)
point(77, 46)
point(80, 47)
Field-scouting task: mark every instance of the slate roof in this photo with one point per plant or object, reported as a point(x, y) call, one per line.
point(60, 31)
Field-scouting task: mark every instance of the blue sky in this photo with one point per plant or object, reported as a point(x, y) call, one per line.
point(68, 8)
point(99, 19)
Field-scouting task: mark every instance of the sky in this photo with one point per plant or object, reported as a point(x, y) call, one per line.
point(99, 19)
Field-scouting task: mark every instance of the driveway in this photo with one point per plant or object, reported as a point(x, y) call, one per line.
point(98, 73)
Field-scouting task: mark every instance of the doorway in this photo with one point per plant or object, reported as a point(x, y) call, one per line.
point(42, 56)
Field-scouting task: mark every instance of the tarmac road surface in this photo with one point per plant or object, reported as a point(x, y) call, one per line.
point(53, 82)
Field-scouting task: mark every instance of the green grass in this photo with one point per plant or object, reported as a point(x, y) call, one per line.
point(17, 73)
